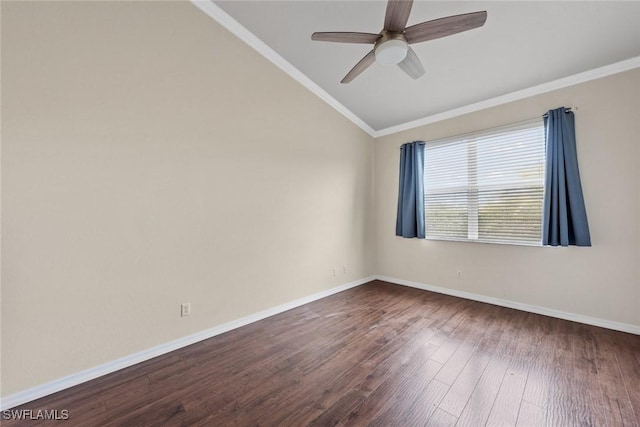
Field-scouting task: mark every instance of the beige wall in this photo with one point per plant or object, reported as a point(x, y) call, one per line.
point(602, 281)
point(150, 158)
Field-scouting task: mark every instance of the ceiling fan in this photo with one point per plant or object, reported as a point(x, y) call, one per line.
point(391, 45)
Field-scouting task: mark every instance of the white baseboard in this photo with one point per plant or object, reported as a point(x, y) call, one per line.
point(124, 362)
point(71, 380)
point(603, 323)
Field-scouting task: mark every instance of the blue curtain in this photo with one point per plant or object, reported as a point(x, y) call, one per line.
point(410, 219)
point(564, 219)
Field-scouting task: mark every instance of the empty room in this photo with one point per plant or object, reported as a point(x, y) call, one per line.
point(292, 213)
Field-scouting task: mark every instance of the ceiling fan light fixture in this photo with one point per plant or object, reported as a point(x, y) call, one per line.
point(391, 52)
point(391, 45)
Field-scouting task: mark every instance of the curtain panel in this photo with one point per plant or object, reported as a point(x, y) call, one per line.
point(410, 218)
point(564, 219)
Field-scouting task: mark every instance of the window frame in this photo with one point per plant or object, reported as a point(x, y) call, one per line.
point(472, 187)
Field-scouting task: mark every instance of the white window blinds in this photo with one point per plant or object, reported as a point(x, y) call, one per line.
point(486, 186)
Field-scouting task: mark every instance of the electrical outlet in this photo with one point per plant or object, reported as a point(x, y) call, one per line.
point(344, 269)
point(459, 274)
point(335, 272)
point(185, 309)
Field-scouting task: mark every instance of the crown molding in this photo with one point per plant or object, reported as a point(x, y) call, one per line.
point(224, 19)
point(596, 73)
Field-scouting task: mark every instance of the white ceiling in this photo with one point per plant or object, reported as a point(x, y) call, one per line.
point(523, 44)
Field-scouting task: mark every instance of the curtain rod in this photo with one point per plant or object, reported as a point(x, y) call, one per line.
point(566, 110)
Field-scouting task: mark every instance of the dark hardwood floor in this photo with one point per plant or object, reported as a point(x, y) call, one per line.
point(380, 355)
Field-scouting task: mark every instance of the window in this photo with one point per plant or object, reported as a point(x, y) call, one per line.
point(487, 186)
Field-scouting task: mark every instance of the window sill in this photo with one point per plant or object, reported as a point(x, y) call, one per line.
point(441, 239)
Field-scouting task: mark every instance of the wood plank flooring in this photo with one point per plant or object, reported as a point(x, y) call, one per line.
point(379, 355)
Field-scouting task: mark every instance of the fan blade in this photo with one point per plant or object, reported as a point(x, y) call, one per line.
point(364, 63)
point(412, 65)
point(444, 27)
point(344, 37)
point(397, 15)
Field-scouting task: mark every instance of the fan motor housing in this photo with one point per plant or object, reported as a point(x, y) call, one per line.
point(391, 48)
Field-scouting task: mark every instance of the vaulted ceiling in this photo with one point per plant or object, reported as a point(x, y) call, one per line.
point(522, 45)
